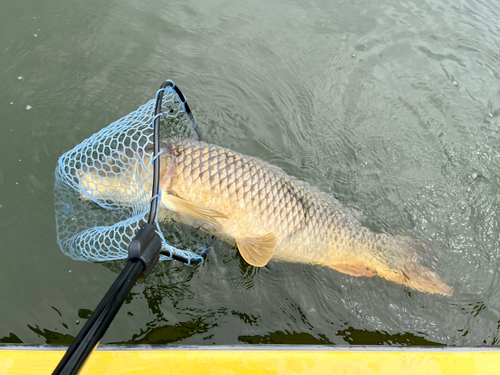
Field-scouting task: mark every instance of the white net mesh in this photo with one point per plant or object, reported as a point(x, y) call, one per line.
point(103, 185)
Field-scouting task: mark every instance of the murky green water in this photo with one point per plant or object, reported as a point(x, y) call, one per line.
point(391, 106)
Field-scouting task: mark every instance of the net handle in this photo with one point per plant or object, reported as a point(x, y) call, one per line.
point(144, 252)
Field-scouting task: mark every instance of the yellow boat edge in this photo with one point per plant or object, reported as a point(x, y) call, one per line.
point(279, 359)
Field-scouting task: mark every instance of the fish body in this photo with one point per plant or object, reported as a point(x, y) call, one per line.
point(271, 215)
point(260, 208)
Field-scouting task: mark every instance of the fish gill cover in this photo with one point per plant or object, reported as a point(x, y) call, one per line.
point(103, 185)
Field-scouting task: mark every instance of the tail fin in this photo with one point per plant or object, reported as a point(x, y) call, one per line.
point(395, 259)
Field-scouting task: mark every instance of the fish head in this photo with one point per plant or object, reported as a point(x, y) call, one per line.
point(121, 179)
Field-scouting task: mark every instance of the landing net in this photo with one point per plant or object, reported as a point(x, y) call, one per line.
point(103, 185)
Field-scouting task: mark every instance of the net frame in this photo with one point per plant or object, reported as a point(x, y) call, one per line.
point(103, 189)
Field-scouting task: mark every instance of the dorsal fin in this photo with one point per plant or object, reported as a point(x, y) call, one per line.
point(196, 211)
point(257, 251)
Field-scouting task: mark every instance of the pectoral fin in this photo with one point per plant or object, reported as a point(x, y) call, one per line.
point(257, 251)
point(196, 211)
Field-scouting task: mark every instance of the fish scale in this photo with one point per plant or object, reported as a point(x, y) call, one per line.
point(260, 207)
point(242, 183)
